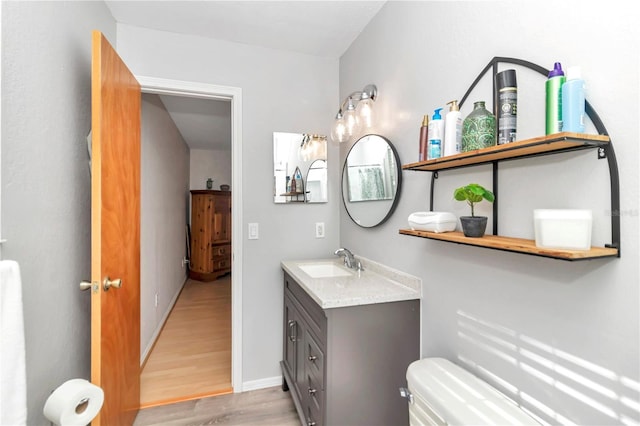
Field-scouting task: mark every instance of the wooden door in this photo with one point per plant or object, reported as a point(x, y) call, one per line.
point(115, 234)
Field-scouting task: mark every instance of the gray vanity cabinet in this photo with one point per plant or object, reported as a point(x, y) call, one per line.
point(344, 365)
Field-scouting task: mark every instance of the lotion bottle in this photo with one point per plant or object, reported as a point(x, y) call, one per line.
point(424, 138)
point(452, 129)
point(573, 100)
point(435, 134)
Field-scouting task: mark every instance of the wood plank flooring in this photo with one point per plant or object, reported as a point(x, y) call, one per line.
point(192, 356)
point(264, 407)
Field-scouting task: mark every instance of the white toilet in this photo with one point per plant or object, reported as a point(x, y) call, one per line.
point(441, 393)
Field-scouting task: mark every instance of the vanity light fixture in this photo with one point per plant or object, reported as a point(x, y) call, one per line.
point(355, 113)
point(313, 147)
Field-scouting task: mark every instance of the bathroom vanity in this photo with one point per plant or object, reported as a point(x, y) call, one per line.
point(349, 337)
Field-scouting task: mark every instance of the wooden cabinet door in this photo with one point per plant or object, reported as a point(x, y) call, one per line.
point(202, 232)
point(222, 218)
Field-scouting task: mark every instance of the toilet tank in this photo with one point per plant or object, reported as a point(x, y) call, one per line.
point(442, 393)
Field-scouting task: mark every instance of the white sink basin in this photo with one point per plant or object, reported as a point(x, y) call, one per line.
point(324, 270)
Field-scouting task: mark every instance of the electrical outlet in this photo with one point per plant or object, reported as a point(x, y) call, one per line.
point(156, 302)
point(319, 229)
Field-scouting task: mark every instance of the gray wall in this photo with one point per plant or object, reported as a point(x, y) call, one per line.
point(281, 92)
point(165, 202)
point(46, 116)
point(562, 338)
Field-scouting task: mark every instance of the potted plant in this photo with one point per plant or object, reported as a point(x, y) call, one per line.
point(473, 226)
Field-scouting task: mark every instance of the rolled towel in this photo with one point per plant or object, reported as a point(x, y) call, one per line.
point(13, 388)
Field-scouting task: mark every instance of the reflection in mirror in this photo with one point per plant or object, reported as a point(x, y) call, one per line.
point(371, 180)
point(317, 181)
point(296, 155)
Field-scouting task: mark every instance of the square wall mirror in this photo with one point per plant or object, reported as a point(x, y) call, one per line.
point(299, 168)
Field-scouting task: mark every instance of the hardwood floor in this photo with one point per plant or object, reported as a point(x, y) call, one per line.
point(265, 407)
point(192, 356)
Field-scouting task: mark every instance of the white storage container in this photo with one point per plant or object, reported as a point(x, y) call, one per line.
point(442, 393)
point(432, 221)
point(563, 229)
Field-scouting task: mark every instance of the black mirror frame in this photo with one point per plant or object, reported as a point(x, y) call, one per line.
point(396, 197)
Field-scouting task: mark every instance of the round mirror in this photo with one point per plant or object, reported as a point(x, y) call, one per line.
point(371, 181)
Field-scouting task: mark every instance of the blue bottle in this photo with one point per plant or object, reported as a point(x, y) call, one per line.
point(573, 101)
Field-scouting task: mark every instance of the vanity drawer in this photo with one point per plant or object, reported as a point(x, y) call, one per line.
point(222, 251)
point(314, 358)
point(314, 401)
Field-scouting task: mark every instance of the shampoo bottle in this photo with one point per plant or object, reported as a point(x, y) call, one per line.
point(553, 88)
point(452, 129)
point(435, 134)
point(573, 100)
point(424, 138)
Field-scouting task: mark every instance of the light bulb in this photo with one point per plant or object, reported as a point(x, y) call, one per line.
point(365, 111)
point(339, 131)
point(351, 120)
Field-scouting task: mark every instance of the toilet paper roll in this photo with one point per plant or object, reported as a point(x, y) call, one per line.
point(74, 403)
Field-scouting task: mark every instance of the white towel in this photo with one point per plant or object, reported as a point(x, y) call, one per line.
point(13, 387)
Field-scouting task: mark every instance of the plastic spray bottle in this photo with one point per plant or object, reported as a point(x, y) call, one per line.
point(573, 101)
point(553, 88)
point(436, 134)
point(452, 129)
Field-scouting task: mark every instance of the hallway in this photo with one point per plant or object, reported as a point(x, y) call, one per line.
point(192, 357)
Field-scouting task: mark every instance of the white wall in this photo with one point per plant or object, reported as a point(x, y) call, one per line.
point(564, 336)
point(163, 217)
point(46, 116)
point(281, 91)
point(210, 163)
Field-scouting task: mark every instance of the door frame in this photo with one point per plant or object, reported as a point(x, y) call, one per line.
point(162, 86)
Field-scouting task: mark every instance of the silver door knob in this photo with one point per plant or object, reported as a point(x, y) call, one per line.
point(107, 283)
point(85, 285)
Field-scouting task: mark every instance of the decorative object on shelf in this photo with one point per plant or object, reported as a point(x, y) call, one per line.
point(355, 114)
point(473, 226)
point(568, 229)
point(478, 128)
point(507, 106)
point(224, 187)
point(209, 183)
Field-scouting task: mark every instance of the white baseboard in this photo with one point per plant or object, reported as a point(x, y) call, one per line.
point(261, 383)
point(156, 333)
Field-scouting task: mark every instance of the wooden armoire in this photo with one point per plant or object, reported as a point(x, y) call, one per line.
point(210, 234)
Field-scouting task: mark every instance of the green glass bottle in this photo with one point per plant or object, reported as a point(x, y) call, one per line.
point(478, 128)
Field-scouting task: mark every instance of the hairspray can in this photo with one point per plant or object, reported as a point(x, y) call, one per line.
point(507, 106)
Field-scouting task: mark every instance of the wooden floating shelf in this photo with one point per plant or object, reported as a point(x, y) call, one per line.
point(517, 245)
point(556, 142)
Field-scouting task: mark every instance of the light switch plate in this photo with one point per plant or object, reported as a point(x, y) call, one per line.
point(254, 231)
point(319, 229)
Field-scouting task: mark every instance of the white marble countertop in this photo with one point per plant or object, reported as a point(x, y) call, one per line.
point(377, 283)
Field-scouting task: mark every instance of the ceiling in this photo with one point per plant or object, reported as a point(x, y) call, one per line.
point(284, 25)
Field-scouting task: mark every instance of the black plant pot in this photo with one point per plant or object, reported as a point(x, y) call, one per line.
point(473, 226)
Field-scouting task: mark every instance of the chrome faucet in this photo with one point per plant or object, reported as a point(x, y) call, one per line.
point(349, 259)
